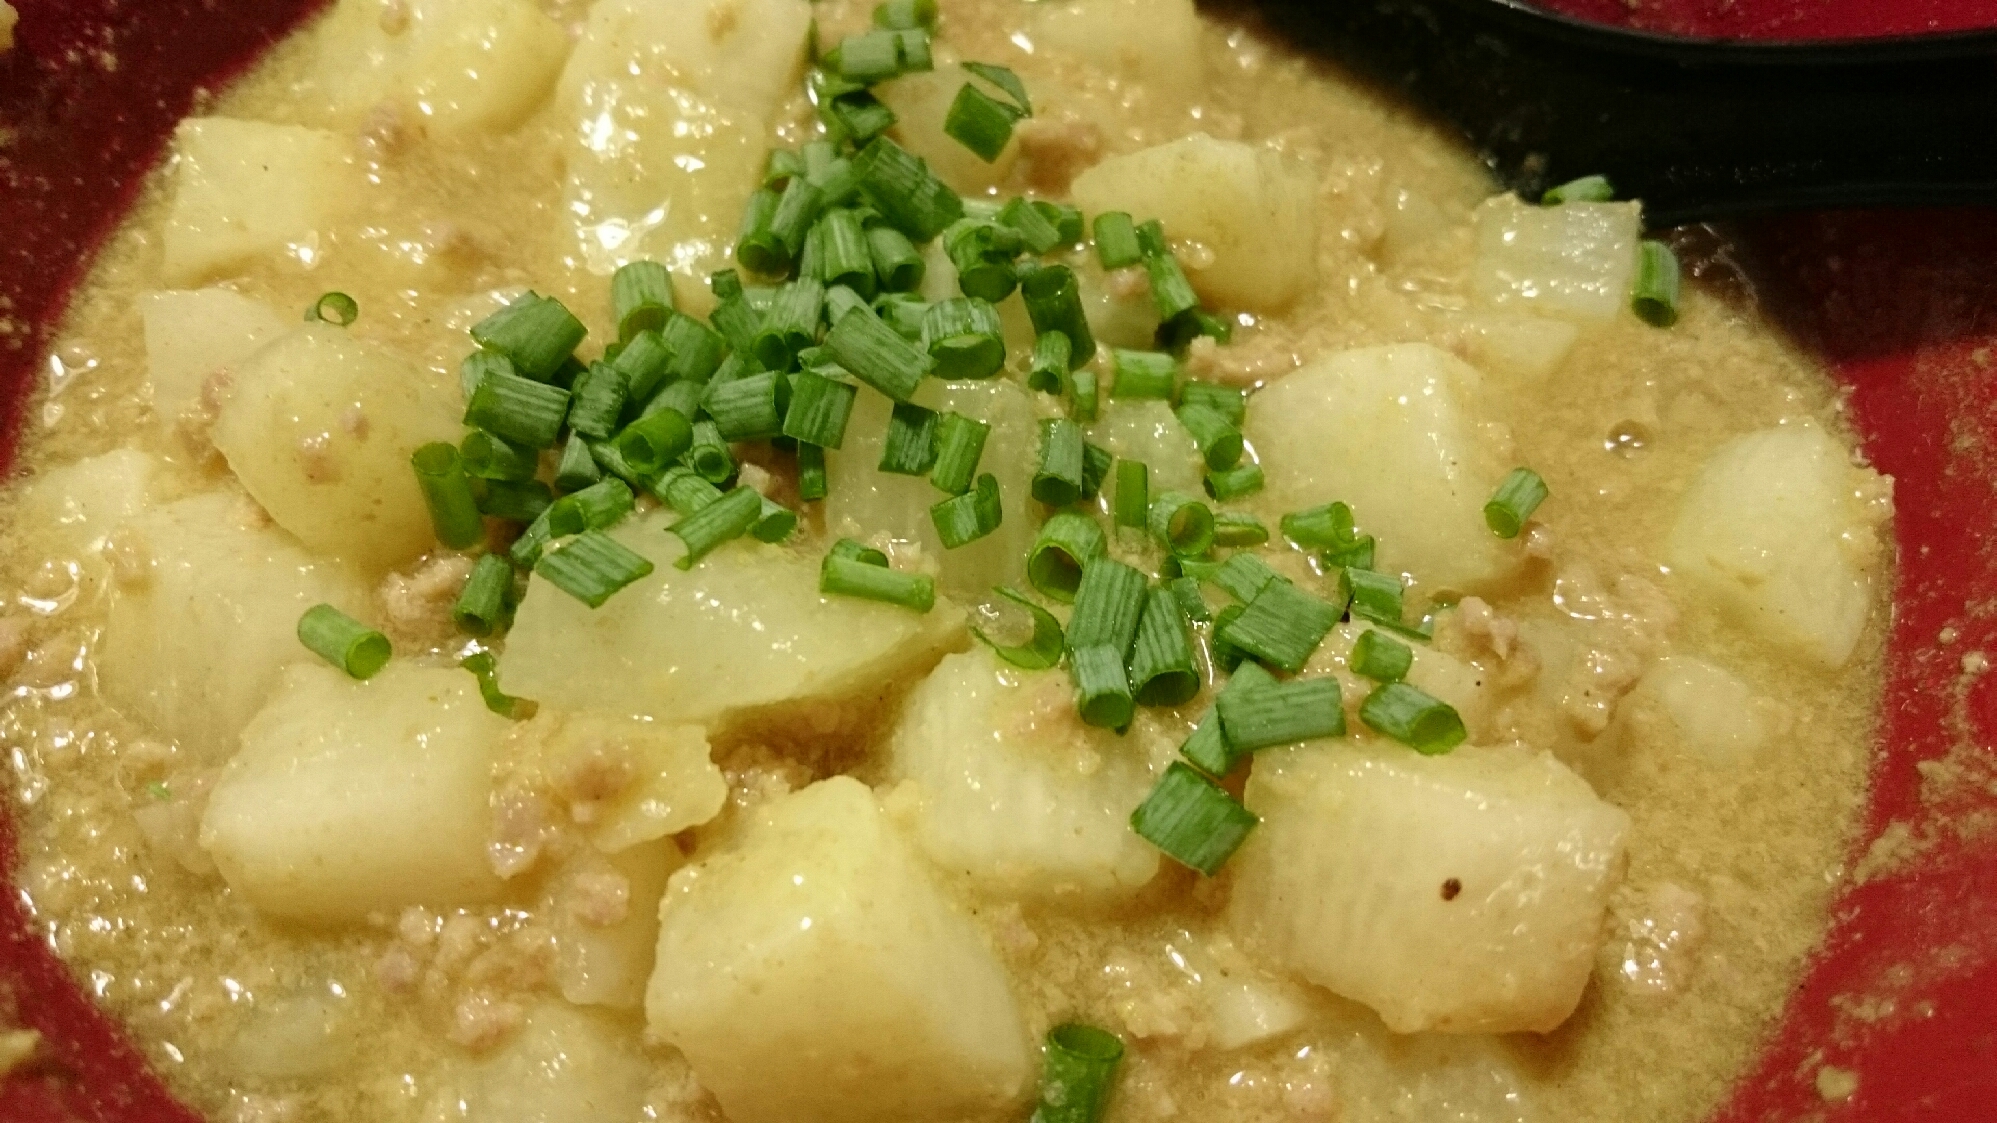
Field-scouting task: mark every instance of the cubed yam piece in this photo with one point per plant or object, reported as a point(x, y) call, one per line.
point(641, 779)
point(319, 427)
point(813, 973)
point(1154, 45)
point(350, 798)
point(1462, 893)
point(1013, 792)
point(70, 510)
point(245, 189)
point(1522, 347)
point(481, 64)
point(1575, 261)
point(191, 334)
point(1253, 209)
point(195, 647)
point(893, 510)
point(743, 55)
point(564, 1065)
point(1147, 430)
point(604, 915)
point(1243, 1003)
point(1119, 316)
point(745, 629)
point(1704, 709)
point(1396, 432)
point(921, 103)
point(1779, 531)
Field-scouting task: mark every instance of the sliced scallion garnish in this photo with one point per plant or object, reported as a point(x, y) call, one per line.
point(482, 605)
point(819, 409)
point(745, 409)
point(963, 519)
point(1380, 657)
point(724, 520)
point(1053, 299)
point(1192, 819)
point(1116, 240)
point(1042, 650)
point(960, 444)
point(1517, 497)
point(1182, 524)
point(447, 492)
point(877, 355)
point(1282, 626)
point(641, 296)
point(1076, 1073)
point(519, 409)
point(1414, 718)
point(904, 190)
point(1370, 595)
point(515, 500)
point(1655, 299)
point(1237, 529)
point(1224, 400)
point(898, 265)
point(1235, 483)
point(591, 567)
point(1587, 189)
point(812, 482)
point(1161, 665)
point(850, 577)
point(1281, 714)
point(1142, 374)
point(1131, 504)
point(343, 641)
point(1244, 576)
point(910, 447)
point(536, 332)
point(1057, 473)
point(1048, 372)
point(336, 308)
point(486, 669)
point(963, 338)
point(1067, 543)
point(1219, 439)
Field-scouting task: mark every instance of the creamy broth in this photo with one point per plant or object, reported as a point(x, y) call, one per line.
point(1593, 647)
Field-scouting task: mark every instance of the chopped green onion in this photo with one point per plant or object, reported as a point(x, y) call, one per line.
point(1040, 652)
point(1182, 524)
point(709, 455)
point(850, 577)
point(682, 489)
point(515, 500)
point(1108, 603)
point(1414, 718)
point(844, 255)
point(1281, 714)
point(774, 523)
point(1587, 189)
point(448, 494)
point(519, 409)
point(910, 447)
point(1161, 659)
point(1053, 299)
point(336, 308)
point(1064, 217)
point(1282, 626)
point(904, 312)
point(488, 457)
point(1076, 1074)
point(683, 398)
point(1067, 543)
point(1356, 554)
point(481, 609)
point(343, 641)
point(1132, 505)
point(960, 444)
point(737, 320)
point(1516, 499)
point(812, 482)
point(697, 349)
point(1116, 241)
point(578, 468)
point(780, 165)
point(600, 506)
point(1082, 398)
point(791, 323)
point(1102, 685)
point(1171, 293)
point(1191, 601)
point(724, 283)
point(1178, 333)
point(867, 58)
point(747, 409)
point(983, 254)
point(1235, 483)
point(1227, 656)
point(963, 519)
point(1243, 576)
point(641, 293)
point(1142, 374)
point(858, 551)
point(1219, 440)
point(819, 410)
point(898, 265)
point(876, 355)
point(1319, 527)
point(486, 669)
point(903, 14)
point(797, 210)
point(535, 331)
point(1224, 400)
point(597, 401)
point(1192, 819)
point(861, 116)
point(477, 365)
point(1096, 463)
point(1151, 238)
point(533, 541)
point(650, 443)
point(904, 190)
point(758, 246)
point(1209, 748)
point(724, 520)
point(1049, 370)
point(1373, 596)
point(592, 566)
point(1036, 229)
point(1057, 475)
point(917, 52)
point(839, 300)
point(1655, 300)
point(963, 338)
point(980, 122)
point(1237, 529)
point(1380, 657)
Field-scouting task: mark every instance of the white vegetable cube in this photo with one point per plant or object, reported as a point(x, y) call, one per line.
point(604, 938)
point(664, 781)
point(1148, 430)
point(78, 505)
point(814, 974)
point(1576, 261)
point(481, 64)
point(319, 427)
point(1709, 710)
point(1252, 207)
point(1461, 893)
point(195, 648)
point(1153, 44)
point(866, 503)
point(1395, 432)
point(1013, 791)
point(1523, 347)
point(743, 630)
point(563, 1066)
point(1779, 532)
point(244, 189)
point(921, 103)
point(350, 798)
point(191, 334)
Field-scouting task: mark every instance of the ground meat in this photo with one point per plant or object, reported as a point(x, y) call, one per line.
point(523, 824)
point(416, 607)
point(481, 1021)
point(1658, 939)
point(599, 898)
point(1130, 283)
point(1484, 629)
point(1053, 149)
point(1248, 361)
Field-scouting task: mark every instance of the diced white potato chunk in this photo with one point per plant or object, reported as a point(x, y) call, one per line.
point(191, 334)
point(564, 1066)
point(1461, 893)
point(746, 628)
point(1012, 791)
point(1395, 432)
point(814, 974)
point(350, 798)
point(921, 102)
point(1437, 672)
point(319, 427)
point(1528, 348)
point(1714, 714)
point(195, 648)
point(1576, 261)
point(1779, 531)
point(867, 503)
point(1128, 320)
point(1150, 44)
point(670, 105)
point(642, 779)
point(1253, 208)
point(243, 189)
point(1147, 430)
point(79, 504)
point(604, 913)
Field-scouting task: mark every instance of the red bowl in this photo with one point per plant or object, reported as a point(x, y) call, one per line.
point(1902, 307)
